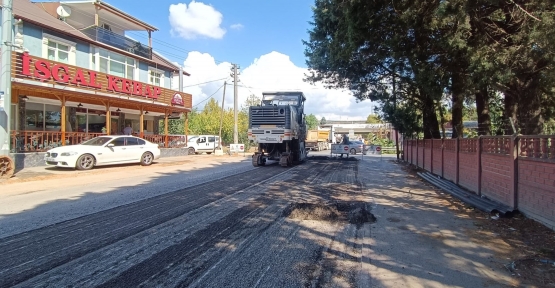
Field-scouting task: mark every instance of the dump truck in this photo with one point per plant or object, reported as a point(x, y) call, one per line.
point(317, 140)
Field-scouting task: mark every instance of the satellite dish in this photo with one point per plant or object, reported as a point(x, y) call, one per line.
point(63, 11)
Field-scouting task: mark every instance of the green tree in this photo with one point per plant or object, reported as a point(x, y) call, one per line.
point(373, 118)
point(409, 55)
point(323, 121)
point(311, 122)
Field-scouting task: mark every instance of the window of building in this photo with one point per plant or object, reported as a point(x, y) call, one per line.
point(58, 52)
point(116, 64)
point(155, 78)
point(58, 49)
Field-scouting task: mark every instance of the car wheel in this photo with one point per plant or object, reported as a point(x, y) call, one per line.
point(353, 151)
point(146, 159)
point(191, 151)
point(85, 162)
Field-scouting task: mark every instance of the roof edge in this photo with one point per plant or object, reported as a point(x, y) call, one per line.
point(124, 14)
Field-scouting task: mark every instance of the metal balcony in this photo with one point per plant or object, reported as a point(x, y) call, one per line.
point(108, 37)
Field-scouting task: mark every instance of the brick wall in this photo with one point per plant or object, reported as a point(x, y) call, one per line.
point(450, 165)
point(489, 166)
point(413, 152)
point(437, 162)
point(468, 170)
point(428, 154)
point(420, 160)
point(536, 190)
point(497, 178)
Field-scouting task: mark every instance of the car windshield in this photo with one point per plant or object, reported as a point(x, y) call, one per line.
point(98, 141)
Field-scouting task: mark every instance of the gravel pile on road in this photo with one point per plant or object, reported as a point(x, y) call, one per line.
point(352, 212)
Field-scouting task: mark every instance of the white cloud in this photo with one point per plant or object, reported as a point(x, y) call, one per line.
point(270, 72)
point(237, 26)
point(197, 19)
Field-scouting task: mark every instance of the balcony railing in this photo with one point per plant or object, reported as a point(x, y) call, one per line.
point(108, 37)
point(41, 141)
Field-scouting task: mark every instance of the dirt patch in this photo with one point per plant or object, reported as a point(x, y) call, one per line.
point(530, 246)
point(532, 256)
point(352, 212)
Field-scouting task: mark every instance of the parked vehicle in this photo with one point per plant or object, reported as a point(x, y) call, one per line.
point(103, 150)
point(317, 140)
point(203, 143)
point(356, 147)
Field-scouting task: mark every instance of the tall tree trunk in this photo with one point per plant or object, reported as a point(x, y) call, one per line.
point(457, 90)
point(429, 119)
point(510, 113)
point(482, 107)
point(529, 108)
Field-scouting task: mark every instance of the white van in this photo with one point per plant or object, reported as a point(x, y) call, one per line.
point(203, 143)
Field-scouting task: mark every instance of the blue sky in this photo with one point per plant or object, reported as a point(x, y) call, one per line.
point(263, 36)
point(266, 26)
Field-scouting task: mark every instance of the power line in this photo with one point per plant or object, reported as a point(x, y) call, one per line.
point(204, 82)
point(208, 96)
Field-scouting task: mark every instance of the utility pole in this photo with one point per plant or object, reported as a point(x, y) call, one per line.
point(234, 74)
point(222, 115)
point(6, 164)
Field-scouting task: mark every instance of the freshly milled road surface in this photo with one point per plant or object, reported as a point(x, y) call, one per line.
point(233, 232)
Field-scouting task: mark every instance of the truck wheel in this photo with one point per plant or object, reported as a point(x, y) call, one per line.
point(353, 151)
point(191, 151)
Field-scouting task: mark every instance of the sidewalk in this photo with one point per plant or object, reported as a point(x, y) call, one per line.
point(46, 172)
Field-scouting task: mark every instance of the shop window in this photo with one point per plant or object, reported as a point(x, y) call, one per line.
point(116, 64)
point(155, 77)
point(52, 118)
point(34, 120)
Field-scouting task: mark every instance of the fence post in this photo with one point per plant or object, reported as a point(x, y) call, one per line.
point(457, 160)
point(479, 157)
point(514, 143)
point(432, 156)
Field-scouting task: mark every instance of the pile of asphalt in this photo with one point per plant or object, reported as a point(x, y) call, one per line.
point(352, 212)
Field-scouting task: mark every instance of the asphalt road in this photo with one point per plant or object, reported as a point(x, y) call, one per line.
point(240, 228)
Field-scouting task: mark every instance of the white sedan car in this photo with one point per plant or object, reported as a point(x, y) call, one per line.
point(103, 150)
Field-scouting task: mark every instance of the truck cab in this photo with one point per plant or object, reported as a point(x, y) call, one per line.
point(203, 143)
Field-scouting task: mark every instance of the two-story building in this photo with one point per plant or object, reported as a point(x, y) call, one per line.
point(75, 75)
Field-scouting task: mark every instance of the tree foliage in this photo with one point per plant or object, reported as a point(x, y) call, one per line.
point(415, 56)
point(207, 121)
point(311, 122)
point(373, 119)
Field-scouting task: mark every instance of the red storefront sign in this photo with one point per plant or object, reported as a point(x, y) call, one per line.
point(60, 73)
point(177, 100)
